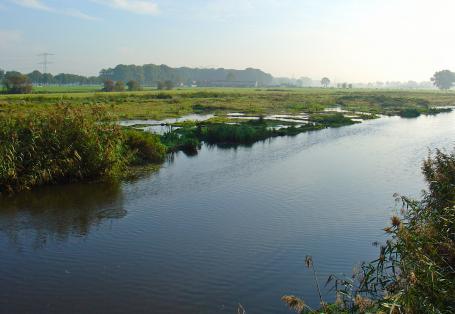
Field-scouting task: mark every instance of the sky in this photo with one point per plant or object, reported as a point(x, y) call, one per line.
point(345, 40)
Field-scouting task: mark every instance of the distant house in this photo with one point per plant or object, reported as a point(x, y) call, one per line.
point(227, 84)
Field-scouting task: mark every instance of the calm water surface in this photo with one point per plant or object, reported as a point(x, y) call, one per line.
point(208, 232)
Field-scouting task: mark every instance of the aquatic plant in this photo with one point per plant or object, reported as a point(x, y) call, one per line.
point(415, 269)
point(144, 147)
point(68, 145)
point(335, 119)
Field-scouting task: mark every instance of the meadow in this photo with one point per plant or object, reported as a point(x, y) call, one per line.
point(154, 104)
point(72, 136)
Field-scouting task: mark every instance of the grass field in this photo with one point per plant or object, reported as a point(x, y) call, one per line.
point(155, 104)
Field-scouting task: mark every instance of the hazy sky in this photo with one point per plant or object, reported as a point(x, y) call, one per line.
point(346, 40)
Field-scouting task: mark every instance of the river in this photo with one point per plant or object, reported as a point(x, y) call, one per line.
point(206, 232)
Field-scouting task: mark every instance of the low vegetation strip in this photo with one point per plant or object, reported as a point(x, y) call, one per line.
point(164, 104)
point(190, 134)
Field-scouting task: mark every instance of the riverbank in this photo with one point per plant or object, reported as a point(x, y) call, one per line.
point(52, 139)
point(228, 226)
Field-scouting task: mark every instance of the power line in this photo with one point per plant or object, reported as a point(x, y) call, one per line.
point(45, 62)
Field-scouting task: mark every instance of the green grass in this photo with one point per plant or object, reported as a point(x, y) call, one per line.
point(66, 89)
point(163, 104)
point(216, 131)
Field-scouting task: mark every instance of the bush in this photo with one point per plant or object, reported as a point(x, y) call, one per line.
point(16, 83)
point(119, 86)
point(133, 85)
point(233, 134)
point(108, 86)
point(409, 113)
point(168, 85)
point(331, 119)
point(144, 147)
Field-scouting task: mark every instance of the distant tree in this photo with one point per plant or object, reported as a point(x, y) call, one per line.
point(16, 83)
point(325, 82)
point(2, 75)
point(35, 77)
point(47, 79)
point(133, 85)
point(306, 81)
point(350, 86)
point(168, 85)
point(344, 85)
point(119, 86)
point(108, 86)
point(230, 77)
point(443, 79)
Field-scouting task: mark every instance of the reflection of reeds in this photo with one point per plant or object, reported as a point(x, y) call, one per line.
point(58, 212)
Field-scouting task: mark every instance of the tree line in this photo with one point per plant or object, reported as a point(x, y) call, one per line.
point(163, 77)
point(150, 74)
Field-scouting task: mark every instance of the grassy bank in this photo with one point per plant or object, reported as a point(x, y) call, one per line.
point(67, 145)
point(415, 270)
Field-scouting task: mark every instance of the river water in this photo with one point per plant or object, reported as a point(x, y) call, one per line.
point(228, 226)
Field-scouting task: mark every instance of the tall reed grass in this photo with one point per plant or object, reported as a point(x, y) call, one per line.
point(415, 270)
point(67, 145)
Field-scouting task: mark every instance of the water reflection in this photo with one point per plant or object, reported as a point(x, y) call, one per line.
point(59, 212)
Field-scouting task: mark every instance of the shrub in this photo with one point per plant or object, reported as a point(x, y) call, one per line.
point(108, 86)
point(168, 85)
point(233, 134)
point(331, 119)
point(133, 85)
point(16, 83)
point(409, 113)
point(144, 147)
point(119, 86)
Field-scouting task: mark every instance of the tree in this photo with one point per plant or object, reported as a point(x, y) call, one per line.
point(168, 85)
point(133, 85)
point(325, 82)
point(119, 86)
point(443, 79)
point(108, 86)
point(16, 83)
point(2, 75)
point(230, 77)
point(35, 77)
point(306, 81)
